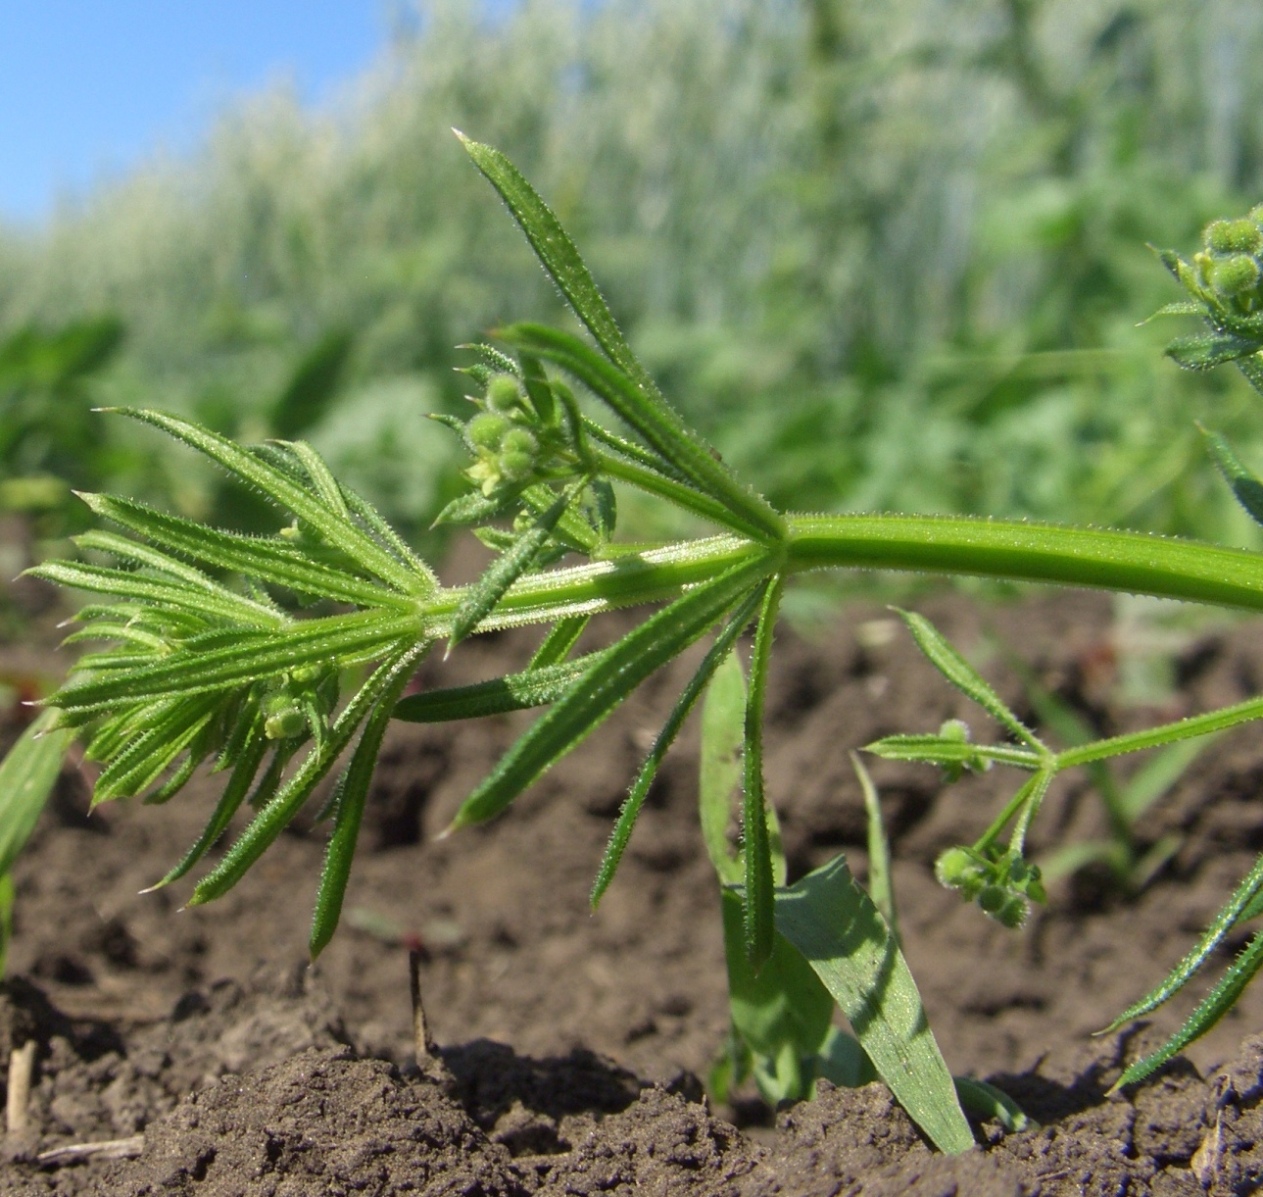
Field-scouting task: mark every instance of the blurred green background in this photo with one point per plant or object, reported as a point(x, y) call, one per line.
point(889, 256)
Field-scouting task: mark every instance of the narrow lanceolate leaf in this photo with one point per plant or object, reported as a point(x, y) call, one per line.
point(719, 652)
point(1209, 350)
point(561, 638)
point(144, 759)
point(1229, 917)
point(1247, 488)
point(358, 636)
point(945, 750)
point(558, 255)
point(27, 776)
point(281, 808)
point(964, 676)
point(277, 485)
point(322, 479)
point(756, 842)
point(151, 558)
point(269, 560)
point(352, 794)
point(166, 593)
point(1210, 1010)
point(605, 684)
point(835, 925)
point(659, 424)
point(483, 595)
point(513, 692)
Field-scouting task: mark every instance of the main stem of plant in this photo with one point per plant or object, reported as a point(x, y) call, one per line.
point(1015, 551)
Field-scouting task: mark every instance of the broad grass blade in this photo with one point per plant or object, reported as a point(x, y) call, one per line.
point(880, 882)
point(27, 776)
point(782, 1011)
point(603, 686)
point(719, 778)
point(835, 925)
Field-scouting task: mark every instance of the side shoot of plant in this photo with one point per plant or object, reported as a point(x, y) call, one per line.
point(272, 659)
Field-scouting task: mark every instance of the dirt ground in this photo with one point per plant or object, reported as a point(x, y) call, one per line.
point(215, 1061)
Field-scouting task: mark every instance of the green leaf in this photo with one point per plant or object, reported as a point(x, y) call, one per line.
point(558, 255)
point(1247, 488)
point(168, 594)
point(27, 776)
point(660, 426)
point(561, 638)
point(835, 925)
point(723, 736)
point(720, 651)
point(605, 684)
point(986, 1102)
point(269, 560)
point(781, 1011)
point(278, 486)
point(756, 846)
point(1208, 350)
point(964, 676)
point(1228, 917)
point(948, 751)
point(352, 795)
point(281, 808)
point(359, 636)
point(498, 696)
point(483, 595)
point(1209, 1011)
point(243, 774)
point(881, 887)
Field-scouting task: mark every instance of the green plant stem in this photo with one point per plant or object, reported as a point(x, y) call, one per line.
point(1120, 561)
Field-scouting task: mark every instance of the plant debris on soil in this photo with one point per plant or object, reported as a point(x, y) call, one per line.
point(196, 1052)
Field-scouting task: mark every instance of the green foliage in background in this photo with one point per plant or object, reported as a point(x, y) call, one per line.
point(824, 222)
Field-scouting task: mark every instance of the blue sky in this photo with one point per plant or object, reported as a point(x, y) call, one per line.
point(89, 87)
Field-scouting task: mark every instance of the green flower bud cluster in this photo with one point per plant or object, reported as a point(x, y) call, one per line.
point(1002, 883)
point(1229, 270)
point(509, 442)
point(300, 704)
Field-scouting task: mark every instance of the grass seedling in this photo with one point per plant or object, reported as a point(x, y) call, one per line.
point(235, 651)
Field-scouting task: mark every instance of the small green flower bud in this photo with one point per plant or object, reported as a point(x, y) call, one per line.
point(519, 440)
point(285, 724)
point(1012, 912)
point(485, 431)
point(516, 467)
point(503, 394)
point(1233, 237)
point(955, 866)
point(993, 899)
point(1235, 275)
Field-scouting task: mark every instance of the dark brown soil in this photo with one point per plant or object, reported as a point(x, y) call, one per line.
point(201, 1044)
